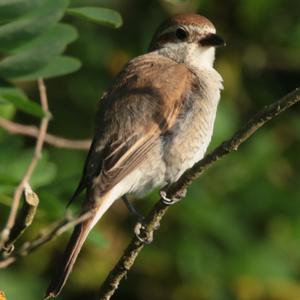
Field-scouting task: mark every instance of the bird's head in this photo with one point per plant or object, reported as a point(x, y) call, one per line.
point(187, 38)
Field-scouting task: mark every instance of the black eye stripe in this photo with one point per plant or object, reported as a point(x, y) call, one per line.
point(172, 37)
point(181, 34)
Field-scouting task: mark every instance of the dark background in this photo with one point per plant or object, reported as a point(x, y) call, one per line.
point(237, 234)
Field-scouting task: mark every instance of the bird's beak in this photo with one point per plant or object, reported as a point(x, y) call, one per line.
point(212, 40)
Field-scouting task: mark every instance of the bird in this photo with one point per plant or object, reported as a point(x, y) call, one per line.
point(153, 123)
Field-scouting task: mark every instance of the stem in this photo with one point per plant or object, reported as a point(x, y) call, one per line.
point(26, 178)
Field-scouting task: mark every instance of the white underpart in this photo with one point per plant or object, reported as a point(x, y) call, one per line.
point(200, 57)
point(191, 54)
point(123, 187)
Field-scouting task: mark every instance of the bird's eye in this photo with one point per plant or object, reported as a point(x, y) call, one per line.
point(181, 34)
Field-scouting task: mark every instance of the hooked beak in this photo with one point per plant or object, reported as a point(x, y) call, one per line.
point(212, 40)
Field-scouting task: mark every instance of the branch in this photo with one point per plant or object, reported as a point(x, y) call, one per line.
point(50, 139)
point(5, 234)
point(24, 218)
point(177, 190)
point(51, 232)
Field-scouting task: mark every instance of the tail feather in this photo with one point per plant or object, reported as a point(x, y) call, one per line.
point(75, 244)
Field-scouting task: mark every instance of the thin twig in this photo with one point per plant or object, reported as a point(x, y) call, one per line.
point(51, 232)
point(177, 190)
point(24, 218)
point(37, 154)
point(50, 139)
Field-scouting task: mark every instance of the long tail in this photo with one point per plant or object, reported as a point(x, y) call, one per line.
point(74, 246)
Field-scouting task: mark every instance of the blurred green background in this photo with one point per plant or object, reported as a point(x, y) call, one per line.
point(237, 234)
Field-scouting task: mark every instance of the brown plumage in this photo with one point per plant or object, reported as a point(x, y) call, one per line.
point(154, 122)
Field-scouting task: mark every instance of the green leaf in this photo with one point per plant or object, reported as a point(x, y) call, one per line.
point(60, 65)
point(30, 25)
point(7, 111)
point(37, 54)
point(11, 9)
point(16, 160)
point(20, 101)
point(103, 16)
point(57, 36)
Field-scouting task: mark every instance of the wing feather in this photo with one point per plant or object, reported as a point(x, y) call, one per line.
point(144, 102)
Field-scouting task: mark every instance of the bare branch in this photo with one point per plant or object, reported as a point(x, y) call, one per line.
point(26, 178)
point(24, 218)
point(176, 191)
point(50, 139)
point(51, 232)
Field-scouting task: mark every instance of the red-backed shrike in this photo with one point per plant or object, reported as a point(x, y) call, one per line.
point(154, 122)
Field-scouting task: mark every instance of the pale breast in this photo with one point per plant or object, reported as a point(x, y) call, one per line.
point(189, 139)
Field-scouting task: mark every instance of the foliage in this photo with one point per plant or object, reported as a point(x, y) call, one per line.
point(237, 235)
point(32, 40)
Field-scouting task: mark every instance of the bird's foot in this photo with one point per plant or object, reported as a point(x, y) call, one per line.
point(141, 235)
point(167, 201)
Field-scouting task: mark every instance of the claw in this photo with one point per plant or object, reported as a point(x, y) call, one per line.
point(167, 201)
point(137, 230)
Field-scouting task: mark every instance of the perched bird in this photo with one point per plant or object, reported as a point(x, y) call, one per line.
point(154, 122)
